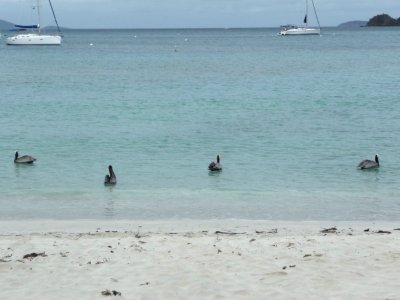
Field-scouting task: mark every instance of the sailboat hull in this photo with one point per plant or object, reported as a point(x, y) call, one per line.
point(34, 39)
point(301, 31)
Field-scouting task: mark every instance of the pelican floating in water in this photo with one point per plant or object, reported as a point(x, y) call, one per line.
point(215, 166)
point(26, 159)
point(110, 179)
point(369, 164)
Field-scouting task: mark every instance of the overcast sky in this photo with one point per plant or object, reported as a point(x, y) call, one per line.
point(194, 13)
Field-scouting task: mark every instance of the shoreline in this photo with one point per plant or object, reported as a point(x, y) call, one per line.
point(234, 259)
point(29, 226)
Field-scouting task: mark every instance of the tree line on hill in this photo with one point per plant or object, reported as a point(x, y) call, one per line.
point(383, 20)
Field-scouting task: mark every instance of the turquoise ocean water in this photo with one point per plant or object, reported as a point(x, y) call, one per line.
point(291, 118)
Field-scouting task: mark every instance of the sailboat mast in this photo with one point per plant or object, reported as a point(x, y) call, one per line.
point(316, 15)
point(54, 15)
point(38, 12)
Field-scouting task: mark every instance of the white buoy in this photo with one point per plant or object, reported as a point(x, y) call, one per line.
point(91, 44)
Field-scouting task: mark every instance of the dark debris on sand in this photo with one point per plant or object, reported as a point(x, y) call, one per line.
point(229, 233)
point(111, 293)
point(273, 231)
point(33, 255)
point(329, 230)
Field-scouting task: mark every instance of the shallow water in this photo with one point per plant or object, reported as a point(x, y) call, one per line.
point(291, 118)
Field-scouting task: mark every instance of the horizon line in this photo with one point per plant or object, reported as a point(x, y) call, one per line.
point(177, 28)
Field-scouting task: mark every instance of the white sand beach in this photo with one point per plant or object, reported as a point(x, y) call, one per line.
point(199, 260)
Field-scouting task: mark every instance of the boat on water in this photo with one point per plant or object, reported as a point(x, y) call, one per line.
point(302, 29)
point(36, 37)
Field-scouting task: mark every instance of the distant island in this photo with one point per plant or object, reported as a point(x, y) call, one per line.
point(383, 20)
point(378, 20)
point(4, 25)
point(353, 24)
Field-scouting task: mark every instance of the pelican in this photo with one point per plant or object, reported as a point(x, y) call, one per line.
point(369, 164)
point(26, 159)
point(110, 179)
point(215, 166)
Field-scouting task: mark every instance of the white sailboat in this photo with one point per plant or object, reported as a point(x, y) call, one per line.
point(302, 29)
point(36, 37)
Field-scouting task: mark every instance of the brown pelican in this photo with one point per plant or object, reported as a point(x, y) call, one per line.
point(369, 164)
point(110, 179)
point(26, 159)
point(215, 166)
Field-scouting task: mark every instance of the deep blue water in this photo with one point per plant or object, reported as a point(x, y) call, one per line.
point(291, 118)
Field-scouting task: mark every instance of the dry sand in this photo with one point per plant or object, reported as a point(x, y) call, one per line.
point(191, 260)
